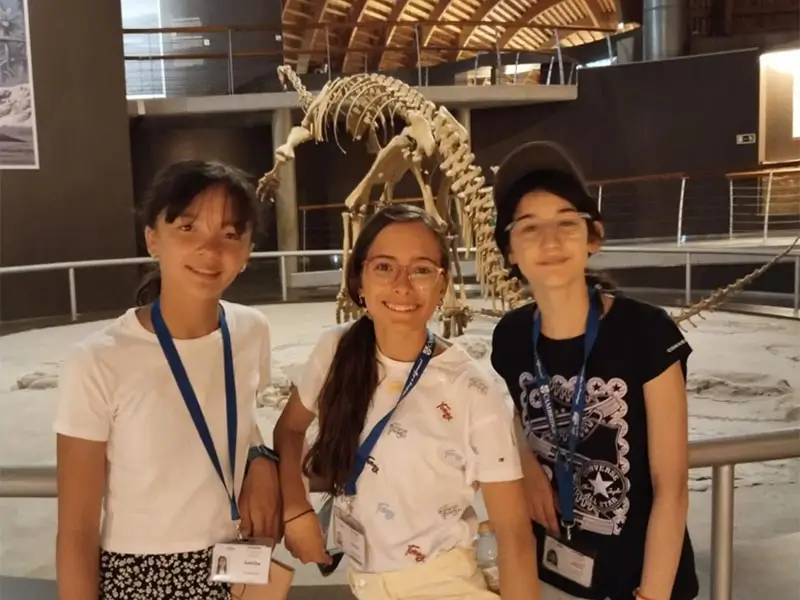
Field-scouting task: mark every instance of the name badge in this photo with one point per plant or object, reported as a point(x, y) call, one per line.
point(564, 559)
point(348, 534)
point(241, 562)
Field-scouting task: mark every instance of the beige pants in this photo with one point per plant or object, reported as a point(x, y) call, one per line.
point(450, 576)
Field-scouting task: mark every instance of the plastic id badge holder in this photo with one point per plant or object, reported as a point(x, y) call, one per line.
point(242, 561)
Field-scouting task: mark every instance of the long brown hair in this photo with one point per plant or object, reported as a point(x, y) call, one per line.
point(352, 377)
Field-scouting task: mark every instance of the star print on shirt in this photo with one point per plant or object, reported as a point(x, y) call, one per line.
point(600, 485)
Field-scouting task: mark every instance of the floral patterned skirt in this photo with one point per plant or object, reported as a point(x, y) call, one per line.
point(181, 576)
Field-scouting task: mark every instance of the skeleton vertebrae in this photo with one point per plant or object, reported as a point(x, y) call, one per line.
point(369, 104)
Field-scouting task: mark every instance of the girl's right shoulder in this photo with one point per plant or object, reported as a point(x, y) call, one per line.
point(244, 317)
point(328, 342)
point(514, 323)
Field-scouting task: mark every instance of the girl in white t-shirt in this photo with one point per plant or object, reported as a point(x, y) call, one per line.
point(128, 445)
point(405, 521)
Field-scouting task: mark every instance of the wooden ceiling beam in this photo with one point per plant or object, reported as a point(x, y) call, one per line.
point(356, 12)
point(310, 35)
point(376, 60)
point(595, 12)
point(484, 9)
point(533, 12)
point(427, 30)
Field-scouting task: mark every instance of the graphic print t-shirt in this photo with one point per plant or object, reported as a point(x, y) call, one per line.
point(613, 494)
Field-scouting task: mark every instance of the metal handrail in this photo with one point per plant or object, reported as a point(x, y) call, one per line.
point(688, 250)
point(116, 262)
point(721, 454)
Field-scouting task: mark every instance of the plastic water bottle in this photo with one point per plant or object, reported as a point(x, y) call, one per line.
point(487, 556)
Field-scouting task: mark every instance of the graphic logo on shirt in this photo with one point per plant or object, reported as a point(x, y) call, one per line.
point(601, 493)
point(449, 510)
point(478, 384)
point(451, 457)
point(603, 487)
point(397, 430)
point(444, 409)
point(414, 550)
point(372, 464)
point(385, 510)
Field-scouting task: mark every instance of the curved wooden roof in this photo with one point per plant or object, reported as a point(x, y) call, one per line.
point(316, 31)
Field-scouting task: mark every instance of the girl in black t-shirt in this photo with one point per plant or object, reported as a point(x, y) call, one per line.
point(598, 381)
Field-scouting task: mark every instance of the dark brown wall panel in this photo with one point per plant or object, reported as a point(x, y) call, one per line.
point(641, 119)
point(78, 205)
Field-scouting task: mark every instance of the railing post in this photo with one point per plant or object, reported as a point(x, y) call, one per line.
point(560, 59)
point(550, 70)
point(230, 62)
point(687, 280)
point(284, 283)
point(73, 295)
point(722, 532)
point(730, 209)
point(680, 211)
point(328, 50)
point(600, 198)
point(498, 61)
point(419, 56)
point(796, 284)
point(766, 206)
point(610, 48)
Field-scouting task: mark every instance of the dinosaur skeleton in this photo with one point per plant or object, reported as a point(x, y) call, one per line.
point(461, 203)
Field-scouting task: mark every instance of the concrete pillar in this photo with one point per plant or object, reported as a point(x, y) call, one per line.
point(664, 29)
point(464, 116)
point(286, 213)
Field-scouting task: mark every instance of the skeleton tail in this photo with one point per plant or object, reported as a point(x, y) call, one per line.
point(723, 294)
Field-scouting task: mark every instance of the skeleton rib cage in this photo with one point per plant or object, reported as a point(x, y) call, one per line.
point(460, 200)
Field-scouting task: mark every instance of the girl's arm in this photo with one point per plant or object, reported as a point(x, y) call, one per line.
point(496, 465)
point(505, 504)
point(290, 437)
point(81, 486)
point(668, 444)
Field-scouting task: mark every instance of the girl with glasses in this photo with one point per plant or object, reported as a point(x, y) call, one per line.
point(410, 428)
point(598, 380)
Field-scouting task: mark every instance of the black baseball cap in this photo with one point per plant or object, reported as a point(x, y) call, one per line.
point(538, 164)
point(541, 160)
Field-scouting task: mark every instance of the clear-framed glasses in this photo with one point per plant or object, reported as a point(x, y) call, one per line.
point(422, 273)
point(530, 228)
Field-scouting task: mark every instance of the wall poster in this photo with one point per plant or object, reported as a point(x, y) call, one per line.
point(18, 140)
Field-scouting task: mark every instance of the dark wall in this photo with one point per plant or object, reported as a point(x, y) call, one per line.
point(243, 141)
point(78, 205)
point(642, 119)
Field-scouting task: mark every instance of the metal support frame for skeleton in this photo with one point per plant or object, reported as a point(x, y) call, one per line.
point(462, 203)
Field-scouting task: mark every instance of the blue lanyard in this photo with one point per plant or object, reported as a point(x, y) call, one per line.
point(189, 397)
point(369, 443)
point(565, 457)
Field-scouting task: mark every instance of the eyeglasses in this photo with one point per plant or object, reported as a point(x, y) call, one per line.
point(528, 228)
point(385, 270)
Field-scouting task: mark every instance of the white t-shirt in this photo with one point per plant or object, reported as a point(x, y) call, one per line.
point(163, 494)
point(453, 429)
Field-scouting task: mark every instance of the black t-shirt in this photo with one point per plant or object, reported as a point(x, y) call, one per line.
point(636, 342)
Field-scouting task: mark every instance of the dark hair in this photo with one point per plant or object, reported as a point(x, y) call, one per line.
point(175, 188)
point(352, 377)
point(561, 184)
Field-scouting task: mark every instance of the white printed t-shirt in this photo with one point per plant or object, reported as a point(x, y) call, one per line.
point(163, 495)
point(453, 429)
